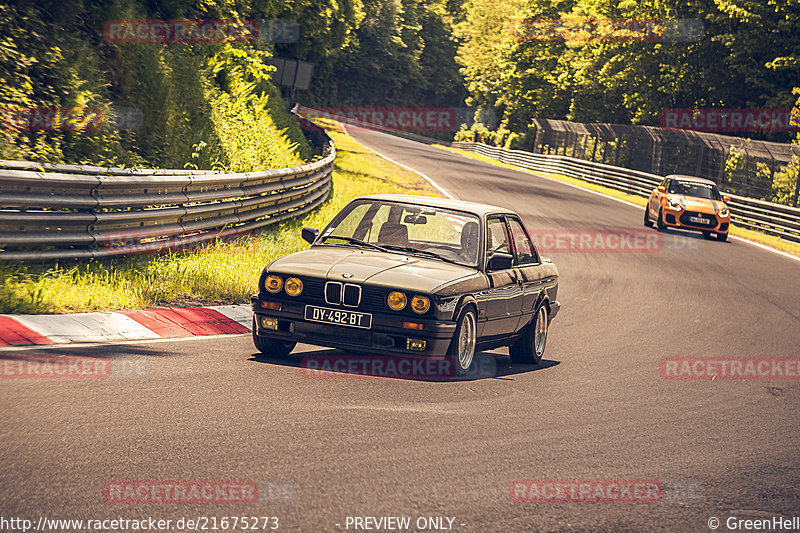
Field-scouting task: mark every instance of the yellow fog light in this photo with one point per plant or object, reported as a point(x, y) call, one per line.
point(269, 323)
point(273, 283)
point(416, 345)
point(294, 286)
point(420, 304)
point(396, 300)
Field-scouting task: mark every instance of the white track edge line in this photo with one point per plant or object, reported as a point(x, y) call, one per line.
point(427, 178)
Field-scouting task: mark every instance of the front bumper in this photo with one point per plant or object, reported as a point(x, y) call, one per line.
point(555, 307)
point(674, 218)
point(386, 335)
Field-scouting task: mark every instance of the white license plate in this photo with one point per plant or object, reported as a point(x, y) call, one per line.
point(700, 220)
point(338, 317)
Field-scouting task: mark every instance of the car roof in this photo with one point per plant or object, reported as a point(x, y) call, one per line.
point(445, 203)
point(691, 178)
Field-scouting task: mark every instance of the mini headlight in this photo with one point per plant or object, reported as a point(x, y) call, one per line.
point(396, 300)
point(724, 212)
point(674, 204)
point(294, 286)
point(273, 283)
point(420, 304)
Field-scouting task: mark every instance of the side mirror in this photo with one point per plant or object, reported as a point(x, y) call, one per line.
point(661, 188)
point(726, 199)
point(309, 234)
point(546, 260)
point(499, 261)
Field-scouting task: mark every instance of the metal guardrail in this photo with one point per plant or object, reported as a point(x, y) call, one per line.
point(774, 219)
point(746, 167)
point(77, 212)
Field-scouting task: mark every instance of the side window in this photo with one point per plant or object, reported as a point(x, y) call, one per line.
point(496, 236)
point(526, 254)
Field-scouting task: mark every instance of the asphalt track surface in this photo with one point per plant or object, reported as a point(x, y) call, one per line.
point(597, 408)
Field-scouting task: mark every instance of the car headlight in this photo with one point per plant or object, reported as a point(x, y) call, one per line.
point(396, 300)
point(294, 286)
point(420, 304)
point(273, 283)
point(674, 204)
point(724, 212)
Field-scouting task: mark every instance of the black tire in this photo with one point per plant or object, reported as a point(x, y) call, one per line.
point(660, 226)
point(461, 352)
point(274, 347)
point(647, 216)
point(529, 349)
point(722, 237)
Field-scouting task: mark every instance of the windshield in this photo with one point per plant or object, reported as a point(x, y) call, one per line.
point(694, 188)
point(406, 228)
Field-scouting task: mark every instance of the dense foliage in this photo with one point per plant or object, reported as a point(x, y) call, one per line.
point(401, 53)
point(747, 56)
point(213, 105)
point(208, 105)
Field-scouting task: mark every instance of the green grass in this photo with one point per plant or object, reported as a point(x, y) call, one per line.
point(219, 273)
point(747, 234)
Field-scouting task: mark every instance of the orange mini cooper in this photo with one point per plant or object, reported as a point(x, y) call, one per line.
point(689, 203)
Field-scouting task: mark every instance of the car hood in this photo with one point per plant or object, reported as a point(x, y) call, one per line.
point(702, 205)
point(384, 269)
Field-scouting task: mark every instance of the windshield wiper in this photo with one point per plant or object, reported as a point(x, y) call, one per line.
point(411, 250)
point(357, 242)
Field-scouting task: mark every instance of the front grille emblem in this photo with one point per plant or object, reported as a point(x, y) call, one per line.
point(348, 294)
point(347, 275)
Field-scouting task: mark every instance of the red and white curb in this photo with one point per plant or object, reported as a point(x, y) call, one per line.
point(110, 326)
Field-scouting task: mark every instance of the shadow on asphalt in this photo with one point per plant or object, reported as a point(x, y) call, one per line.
point(85, 362)
point(100, 350)
point(332, 363)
